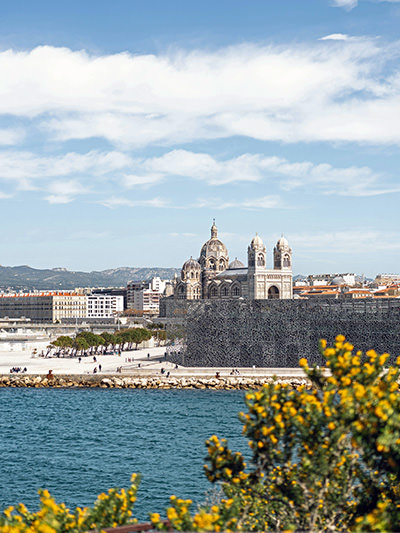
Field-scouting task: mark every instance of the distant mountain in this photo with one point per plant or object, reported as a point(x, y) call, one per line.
point(27, 278)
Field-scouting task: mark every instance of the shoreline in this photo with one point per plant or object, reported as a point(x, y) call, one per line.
point(137, 369)
point(117, 381)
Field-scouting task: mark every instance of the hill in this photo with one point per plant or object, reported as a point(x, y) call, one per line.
point(27, 278)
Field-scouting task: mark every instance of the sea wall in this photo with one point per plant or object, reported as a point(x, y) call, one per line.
point(276, 333)
point(151, 382)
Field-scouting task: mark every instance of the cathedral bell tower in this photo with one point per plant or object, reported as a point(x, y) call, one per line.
point(283, 255)
point(256, 257)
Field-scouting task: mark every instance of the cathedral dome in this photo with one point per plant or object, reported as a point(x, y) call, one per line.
point(338, 280)
point(213, 247)
point(256, 242)
point(235, 264)
point(282, 244)
point(191, 264)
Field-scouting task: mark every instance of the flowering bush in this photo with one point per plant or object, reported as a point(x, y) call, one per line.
point(109, 510)
point(324, 458)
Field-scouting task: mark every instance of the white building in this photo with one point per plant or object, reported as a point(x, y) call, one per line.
point(212, 276)
point(349, 278)
point(104, 305)
point(144, 297)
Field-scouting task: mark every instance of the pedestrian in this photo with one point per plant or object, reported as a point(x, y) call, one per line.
point(99, 368)
point(79, 359)
point(148, 356)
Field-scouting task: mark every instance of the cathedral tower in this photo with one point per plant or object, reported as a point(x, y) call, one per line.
point(282, 255)
point(256, 257)
point(213, 259)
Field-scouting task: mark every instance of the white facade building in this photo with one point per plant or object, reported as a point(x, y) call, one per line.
point(212, 276)
point(144, 297)
point(104, 305)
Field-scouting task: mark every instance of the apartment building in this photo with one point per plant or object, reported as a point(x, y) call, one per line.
point(104, 305)
point(144, 297)
point(43, 307)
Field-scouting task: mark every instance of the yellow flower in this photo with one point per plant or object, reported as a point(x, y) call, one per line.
point(340, 338)
point(331, 426)
point(155, 517)
point(171, 513)
point(303, 362)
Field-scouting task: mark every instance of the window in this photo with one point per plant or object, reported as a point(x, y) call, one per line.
point(260, 260)
point(236, 291)
point(224, 291)
point(213, 292)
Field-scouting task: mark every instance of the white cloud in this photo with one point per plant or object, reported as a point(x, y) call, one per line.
point(350, 181)
point(292, 93)
point(64, 192)
point(32, 172)
point(11, 136)
point(4, 196)
point(350, 4)
point(157, 202)
point(335, 37)
point(27, 165)
point(347, 4)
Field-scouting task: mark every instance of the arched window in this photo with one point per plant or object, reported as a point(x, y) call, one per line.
point(221, 264)
point(260, 260)
point(273, 293)
point(212, 264)
point(224, 292)
point(181, 293)
point(236, 291)
point(213, 292)
point(286, 261)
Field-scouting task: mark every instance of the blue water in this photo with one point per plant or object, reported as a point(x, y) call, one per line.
point(78, 443)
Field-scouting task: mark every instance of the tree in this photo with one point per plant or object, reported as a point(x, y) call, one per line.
point(109, 338)
point(324, 457)
point(63, 342)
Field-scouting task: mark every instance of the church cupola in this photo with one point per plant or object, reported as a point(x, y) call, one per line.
point(282, 255)
point(256, 253)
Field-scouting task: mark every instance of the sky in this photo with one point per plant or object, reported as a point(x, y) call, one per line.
point(127, 126)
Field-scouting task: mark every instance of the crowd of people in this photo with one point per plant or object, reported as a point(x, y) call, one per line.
point(18, 370)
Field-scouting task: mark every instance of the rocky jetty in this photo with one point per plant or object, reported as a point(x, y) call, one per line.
point(112, 381)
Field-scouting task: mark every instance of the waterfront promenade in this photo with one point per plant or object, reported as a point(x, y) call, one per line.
point(142, 364)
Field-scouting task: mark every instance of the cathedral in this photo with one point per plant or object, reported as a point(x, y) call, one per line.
point(212, 276)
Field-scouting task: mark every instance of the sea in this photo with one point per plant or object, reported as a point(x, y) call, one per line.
point(79, 443)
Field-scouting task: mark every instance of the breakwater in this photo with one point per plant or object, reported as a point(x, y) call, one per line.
point(151, 382)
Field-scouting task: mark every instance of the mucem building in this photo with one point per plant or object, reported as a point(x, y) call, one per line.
point(277, 333)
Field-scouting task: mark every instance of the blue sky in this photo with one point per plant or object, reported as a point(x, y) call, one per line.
point(127, 126)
